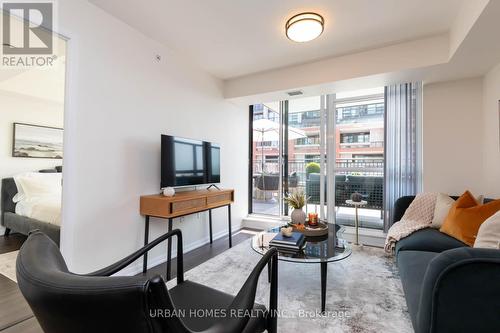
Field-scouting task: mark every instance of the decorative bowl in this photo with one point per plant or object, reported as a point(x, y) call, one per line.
point(287, 231)
point(313, 231)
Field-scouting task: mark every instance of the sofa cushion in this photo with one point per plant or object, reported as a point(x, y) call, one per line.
point(412, 267)
point(428, 239)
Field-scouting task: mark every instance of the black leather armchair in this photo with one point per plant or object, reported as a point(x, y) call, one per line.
point(98, 302)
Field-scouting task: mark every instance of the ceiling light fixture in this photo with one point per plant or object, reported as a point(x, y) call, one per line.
point(304, 27)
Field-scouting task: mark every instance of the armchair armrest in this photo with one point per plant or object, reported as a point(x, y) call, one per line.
point(242, 303)
point(460, 292)
point(121, 264)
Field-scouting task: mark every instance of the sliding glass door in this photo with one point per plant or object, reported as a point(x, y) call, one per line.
point(328, 146)
point(359, 156)
point(303, 154)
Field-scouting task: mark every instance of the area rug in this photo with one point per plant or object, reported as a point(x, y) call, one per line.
point(8, 264)
point(364, 293)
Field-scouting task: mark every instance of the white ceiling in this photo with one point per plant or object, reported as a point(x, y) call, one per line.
point(43, 83)
point(232, 38)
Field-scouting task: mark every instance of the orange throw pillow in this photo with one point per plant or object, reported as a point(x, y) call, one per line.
point(465, 218)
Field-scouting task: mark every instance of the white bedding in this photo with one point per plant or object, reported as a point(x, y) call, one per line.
point(39, 196)
point(44, 208)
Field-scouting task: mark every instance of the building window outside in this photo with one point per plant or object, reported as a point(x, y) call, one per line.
point(267, 144)
point(363, 137)
point(310, 140)
point(358, 111)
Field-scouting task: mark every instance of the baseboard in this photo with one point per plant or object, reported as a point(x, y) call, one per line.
point(371, 237)
point(261, 222)
point(158, 260)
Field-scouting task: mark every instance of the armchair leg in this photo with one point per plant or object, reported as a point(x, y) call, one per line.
point(7, 232)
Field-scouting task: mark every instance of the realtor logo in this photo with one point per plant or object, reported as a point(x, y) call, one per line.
point(32, 32)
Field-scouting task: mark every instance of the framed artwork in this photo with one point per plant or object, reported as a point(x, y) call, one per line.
point(33, 141)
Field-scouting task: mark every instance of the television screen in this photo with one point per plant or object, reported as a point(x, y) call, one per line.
point(213, 163)
point(186, 162)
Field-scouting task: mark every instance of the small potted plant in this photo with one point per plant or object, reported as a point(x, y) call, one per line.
point(297, 200)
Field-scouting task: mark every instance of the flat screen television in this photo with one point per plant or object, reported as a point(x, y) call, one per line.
point(188, 162)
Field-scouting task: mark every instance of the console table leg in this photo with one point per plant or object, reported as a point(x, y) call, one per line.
point(146, 235)
point(323, 285)
point(229, 224)
point(169, 251)
point(210, 224)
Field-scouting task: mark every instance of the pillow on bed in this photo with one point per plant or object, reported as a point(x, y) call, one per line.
point(34, 184)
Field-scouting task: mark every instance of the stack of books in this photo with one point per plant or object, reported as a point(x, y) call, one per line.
point(288, 244)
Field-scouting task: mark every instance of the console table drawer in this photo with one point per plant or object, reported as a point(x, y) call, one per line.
point(179, 206)
point(184, 202)
point(215, 199)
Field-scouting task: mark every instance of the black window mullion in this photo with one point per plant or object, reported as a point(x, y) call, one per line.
point(250, 159)
point(285, 155)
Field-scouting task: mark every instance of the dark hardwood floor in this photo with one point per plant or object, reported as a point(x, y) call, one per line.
point(11, 243)
point(13, 308)
point(200, 255)
point(16, 316)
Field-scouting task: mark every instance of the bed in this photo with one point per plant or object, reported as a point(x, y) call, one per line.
point(40, 212)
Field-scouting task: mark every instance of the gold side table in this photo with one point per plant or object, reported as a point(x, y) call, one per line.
point(356, 205)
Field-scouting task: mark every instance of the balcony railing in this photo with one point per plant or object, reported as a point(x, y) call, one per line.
point(343, 166)
point(362, 175)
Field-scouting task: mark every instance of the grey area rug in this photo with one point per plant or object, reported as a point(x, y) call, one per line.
point(364, 293)
point(8, 264)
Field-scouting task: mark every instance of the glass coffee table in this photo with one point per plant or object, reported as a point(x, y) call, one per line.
point(317, 250)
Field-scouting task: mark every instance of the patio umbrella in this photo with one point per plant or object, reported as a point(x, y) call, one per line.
point(267, 130)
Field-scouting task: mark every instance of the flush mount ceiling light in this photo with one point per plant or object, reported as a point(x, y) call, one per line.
point(304, 27)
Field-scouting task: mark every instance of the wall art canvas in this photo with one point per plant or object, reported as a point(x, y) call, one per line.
point(35, 141)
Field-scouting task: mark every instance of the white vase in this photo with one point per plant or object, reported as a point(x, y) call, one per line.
point(298, 216)
point(169, 191)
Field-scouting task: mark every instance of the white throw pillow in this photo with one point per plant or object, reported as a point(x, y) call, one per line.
point(34, 184)
point(488, 236)
point(441, 210)
point(443, 206)
point(20, 193)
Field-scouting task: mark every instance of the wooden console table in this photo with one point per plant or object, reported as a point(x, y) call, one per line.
point(182, 204)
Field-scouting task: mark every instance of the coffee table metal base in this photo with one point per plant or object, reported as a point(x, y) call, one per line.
point(323, 285)
point(324, 270)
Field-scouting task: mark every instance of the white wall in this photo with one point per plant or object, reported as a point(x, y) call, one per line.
point(20, 103)
point(491, 135)
point(453, 137)
point(120, 99)
point(16, 108)
point(34, 96)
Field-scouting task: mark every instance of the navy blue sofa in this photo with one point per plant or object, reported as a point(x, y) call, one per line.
point(448, 286)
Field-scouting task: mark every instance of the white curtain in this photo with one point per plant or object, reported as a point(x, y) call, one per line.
point(402, 144)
